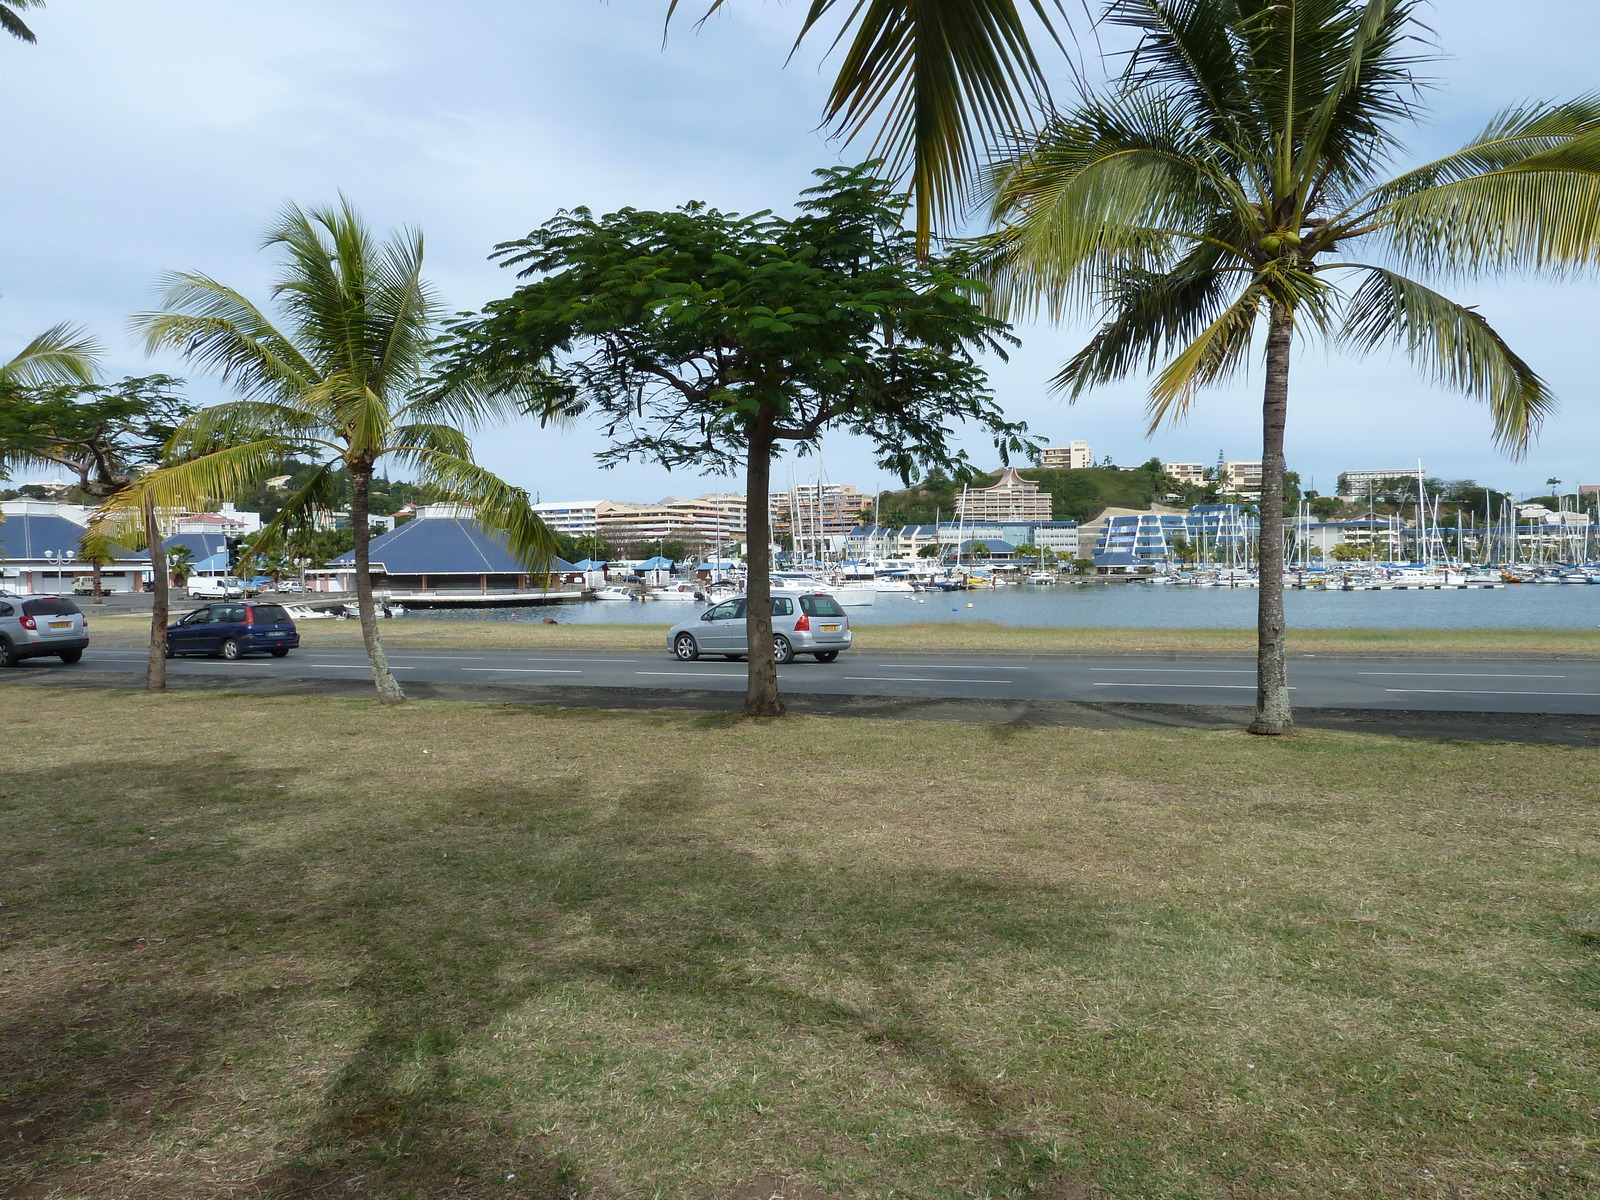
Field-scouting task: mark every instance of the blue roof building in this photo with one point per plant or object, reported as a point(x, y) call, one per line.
point(442, 553)
point(42, 552)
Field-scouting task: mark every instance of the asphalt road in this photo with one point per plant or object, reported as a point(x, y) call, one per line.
point(1434, 684)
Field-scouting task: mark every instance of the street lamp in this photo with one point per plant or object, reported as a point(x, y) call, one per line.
point(61, 558)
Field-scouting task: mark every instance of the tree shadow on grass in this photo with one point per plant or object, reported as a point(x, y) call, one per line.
point(445, 926)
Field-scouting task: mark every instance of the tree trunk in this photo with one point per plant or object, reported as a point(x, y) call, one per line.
point(99, 595)
point(388, 687)
point(1273, 713)
point(155, 679)
point(761, 693)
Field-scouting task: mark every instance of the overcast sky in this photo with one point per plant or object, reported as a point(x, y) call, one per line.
point(164, 134)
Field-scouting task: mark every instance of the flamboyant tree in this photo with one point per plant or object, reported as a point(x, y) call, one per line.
point(711, 341)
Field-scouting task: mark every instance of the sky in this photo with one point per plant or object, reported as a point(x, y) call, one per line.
point(165, 135)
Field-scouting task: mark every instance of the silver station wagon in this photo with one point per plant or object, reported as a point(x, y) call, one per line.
point(802, 623)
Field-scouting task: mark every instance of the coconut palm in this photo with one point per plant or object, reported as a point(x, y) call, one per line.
point(345, 380)
point(937, 79)
point(12, 23)
point(1235, 177)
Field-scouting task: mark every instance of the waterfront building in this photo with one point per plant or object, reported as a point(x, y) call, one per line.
point(1073, 456)
point(1353, 485)
point(445, 548)
point(41, 551)
point(702, 520)
point(813, 510)
point(1216, 532)
point(575, 518)
point(1012, 498)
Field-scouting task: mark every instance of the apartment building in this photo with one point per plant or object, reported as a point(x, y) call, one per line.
point(1187, 473)
point(818, 509)
point(1241, 477)
point(1013, 498)
point(576, 518)
point(1353, 485)
point(1074, 456)
point(704, 520)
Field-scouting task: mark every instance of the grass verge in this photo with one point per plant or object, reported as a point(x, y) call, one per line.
point(288, 947)
point(926, 638)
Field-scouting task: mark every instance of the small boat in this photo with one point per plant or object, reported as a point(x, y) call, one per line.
point(615, 591)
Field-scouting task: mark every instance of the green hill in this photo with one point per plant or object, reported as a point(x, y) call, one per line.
point(1074, 495)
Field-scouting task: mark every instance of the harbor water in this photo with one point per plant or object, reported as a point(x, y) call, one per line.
point(1141, 606)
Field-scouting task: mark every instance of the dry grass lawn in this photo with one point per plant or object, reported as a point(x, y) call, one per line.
point(280, 947)
point(931, 637)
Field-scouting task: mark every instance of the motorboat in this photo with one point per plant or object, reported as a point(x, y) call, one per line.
point(615, 591)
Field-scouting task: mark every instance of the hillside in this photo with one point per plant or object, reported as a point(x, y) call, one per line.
point(1075, 495)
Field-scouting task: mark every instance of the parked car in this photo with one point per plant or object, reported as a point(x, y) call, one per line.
point(803, 622)
point(234, 630)
point(37, 626)
point(215, 587)
point(291, 585)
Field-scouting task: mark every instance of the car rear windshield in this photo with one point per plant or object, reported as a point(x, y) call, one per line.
point(49, 606)
point(820, 606)
point(271, 614)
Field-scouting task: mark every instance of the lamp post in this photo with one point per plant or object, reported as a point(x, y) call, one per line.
point(61, 558)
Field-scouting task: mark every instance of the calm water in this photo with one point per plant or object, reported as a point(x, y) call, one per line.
point(1528, 606)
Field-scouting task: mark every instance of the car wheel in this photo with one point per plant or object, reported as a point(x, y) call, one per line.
point(171, 653)
point(71, 656)
point(685, 648)
point(8, 654)
point(782, 651)
point(231, 649)
point(827, 655)
point(280, 652)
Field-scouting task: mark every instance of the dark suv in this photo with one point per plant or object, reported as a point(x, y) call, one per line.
point(234, 629)
point(37, 626)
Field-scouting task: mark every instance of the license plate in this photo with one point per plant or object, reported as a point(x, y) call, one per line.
point(60, 624)
point(830, 629)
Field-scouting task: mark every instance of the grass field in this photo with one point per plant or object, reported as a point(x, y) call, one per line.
point(290, 947)
point(974, 637)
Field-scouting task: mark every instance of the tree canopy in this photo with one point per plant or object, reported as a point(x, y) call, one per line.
point(709, 340)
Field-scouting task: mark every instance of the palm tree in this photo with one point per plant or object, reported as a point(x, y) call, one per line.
point(346, 381)
point(940, 80)
point(12, 23)
point(1234, 176)
point(60, 356)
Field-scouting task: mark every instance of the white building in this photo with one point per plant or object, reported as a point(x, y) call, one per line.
point(576, 518)
point(1074, 456)
point(1191, 473)
point(1241, 477)
point(1012, 499)
point(1353, 485)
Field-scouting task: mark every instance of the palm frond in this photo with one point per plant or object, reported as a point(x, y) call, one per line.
point(240, 421)
point(62, 354)
point(498, 504)
point(1525, 194)
point(218, 328)
point(1455, 346)
point(941, 80)
point(435, 437)
point(13, 24)
point(1218, 352)
point(318, 494)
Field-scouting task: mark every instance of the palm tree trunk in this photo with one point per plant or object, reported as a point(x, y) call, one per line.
point(761, 692)
point(155, 679)
point(388, 687)
point(99, 593)
point(1273, 713)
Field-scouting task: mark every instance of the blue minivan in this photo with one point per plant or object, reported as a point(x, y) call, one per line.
point(233, 630)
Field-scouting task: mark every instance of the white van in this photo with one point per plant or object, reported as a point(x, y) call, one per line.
point(215, 587)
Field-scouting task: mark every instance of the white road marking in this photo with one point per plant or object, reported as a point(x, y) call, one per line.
point(954, 667)
point(1458, 675)
point(1179, 670)
point(698, 674)
point(524, 670)
point(918, 679)
point(1241, 687)
point(332, 666)
point(1479, 692)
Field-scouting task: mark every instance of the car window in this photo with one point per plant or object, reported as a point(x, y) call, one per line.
point(782, 606)
point(49, 606)
point(820, 606)
point(198, 617)
point(728, 610)
point(227, 614)
point(271, 614)
point(7, 611)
